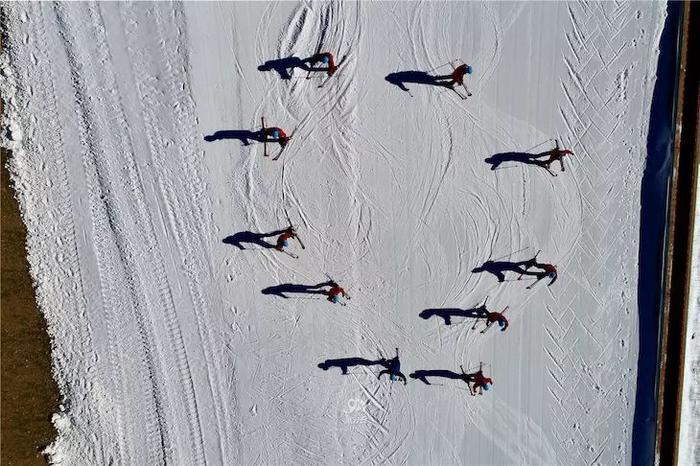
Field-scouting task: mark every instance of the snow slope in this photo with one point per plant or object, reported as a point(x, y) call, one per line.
point(165, 349)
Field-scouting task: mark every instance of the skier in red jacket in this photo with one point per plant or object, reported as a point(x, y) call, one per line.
point(283, 241)
point(457, 76)
point(554, 155)
point(325, 58)
point(336, 292)
point(276, 134)
point(493, 317)
point(546, 270)
point(273, 134)
point(476, 381)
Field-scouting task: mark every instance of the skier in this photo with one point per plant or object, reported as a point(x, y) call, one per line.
point(394, 369)
point(547, 270)
point(497, 317)
point(273, 134)
point(283, 240)
point(554, 155)
point(326, 58)
point(476, 382)
point(336, 292)
point(456, 77)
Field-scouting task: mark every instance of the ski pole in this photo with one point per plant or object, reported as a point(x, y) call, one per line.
point(476, 321)
point(438, 67)
point(510, 254)
point(538, 145)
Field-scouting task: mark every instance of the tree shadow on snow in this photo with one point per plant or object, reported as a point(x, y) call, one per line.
point(445, 374)
point(447, 313)
point(252, 238)
point(283, 66)
point(289, 288)
point(243, 135)
point(521, 157)
point(344, 363)
point(417, 77)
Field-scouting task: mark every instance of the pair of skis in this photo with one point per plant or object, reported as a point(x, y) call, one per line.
point(265, 141)
point(483, 306)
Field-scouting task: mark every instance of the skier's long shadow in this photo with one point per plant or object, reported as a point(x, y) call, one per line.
point(423, 374)
point(252, 238)
point(243, 135)
point(417, 77)
point(521, 157)
point(448, 313)
point(344, 363)
point(283, 65)
point(281, 290)
point(498, 268)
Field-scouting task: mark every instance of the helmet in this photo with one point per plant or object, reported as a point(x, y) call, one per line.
point(276, 134)
point(325, 59)
point(487, 387)
point(469, 69)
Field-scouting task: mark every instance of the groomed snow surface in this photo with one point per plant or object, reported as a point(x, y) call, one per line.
point(165, 349)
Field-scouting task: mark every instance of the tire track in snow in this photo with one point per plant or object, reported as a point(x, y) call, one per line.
point(185, 224)
point(113, 246)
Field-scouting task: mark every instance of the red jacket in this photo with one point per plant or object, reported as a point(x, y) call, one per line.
point(284, 237)
point(458, 73)
point(556, 154)
point(480, 380)
point(271, 132)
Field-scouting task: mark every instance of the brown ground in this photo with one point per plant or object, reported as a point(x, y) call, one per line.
point(28, 393)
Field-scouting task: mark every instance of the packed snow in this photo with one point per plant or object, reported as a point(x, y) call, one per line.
point(165, 347)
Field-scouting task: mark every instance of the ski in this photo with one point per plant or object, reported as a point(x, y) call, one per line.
point(466, 90)
point(262, 119)
point(293, 256)
point(458, 93)
point(342, 60)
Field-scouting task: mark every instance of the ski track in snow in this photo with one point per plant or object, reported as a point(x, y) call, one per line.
point(164, 348)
